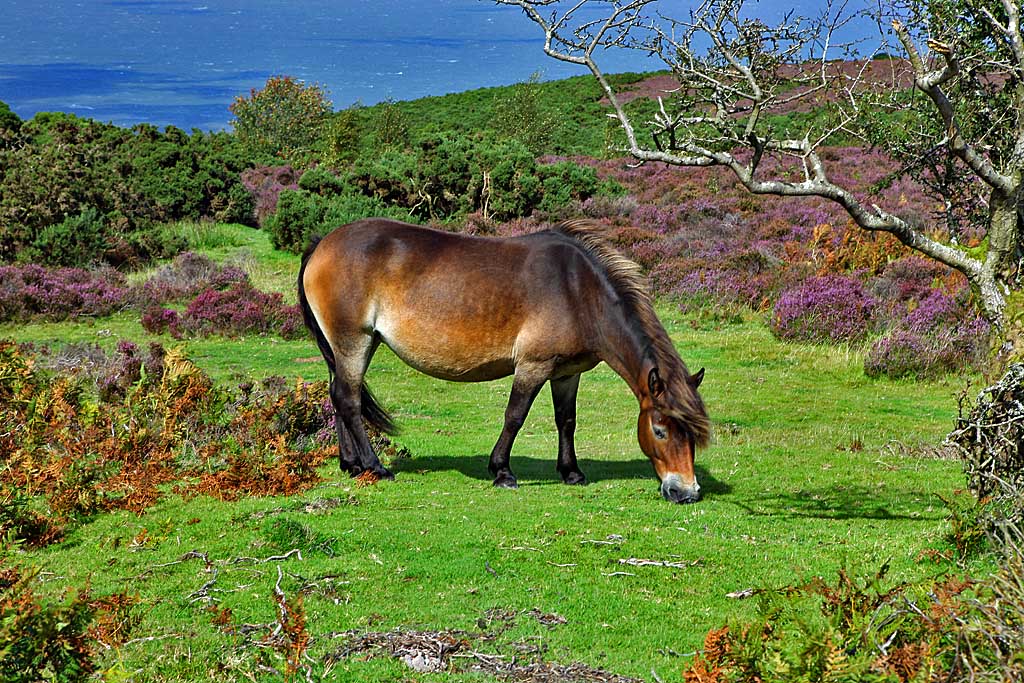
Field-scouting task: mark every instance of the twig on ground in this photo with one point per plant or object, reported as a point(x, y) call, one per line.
point(273, 558)
point(610, 539)
point(204, 591)
point(637, 562)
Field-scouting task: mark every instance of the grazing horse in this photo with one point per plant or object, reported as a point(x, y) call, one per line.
point(540, 307)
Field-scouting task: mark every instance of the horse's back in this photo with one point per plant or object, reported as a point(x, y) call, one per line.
point(453, 306)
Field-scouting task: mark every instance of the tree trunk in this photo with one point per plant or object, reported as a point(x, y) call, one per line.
point(997, 286)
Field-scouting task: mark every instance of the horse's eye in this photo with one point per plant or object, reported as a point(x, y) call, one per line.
point(659, 432)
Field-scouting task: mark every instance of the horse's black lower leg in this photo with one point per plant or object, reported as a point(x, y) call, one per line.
point(357, 455)
point(348, 456)
point(360, 456)
point(563, 395)
point(519, 402)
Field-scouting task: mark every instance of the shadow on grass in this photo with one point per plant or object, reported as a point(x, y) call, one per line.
point(541, 471)
point(848, 502)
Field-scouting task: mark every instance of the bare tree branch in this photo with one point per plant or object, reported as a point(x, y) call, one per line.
point(735, 71)
point(930, 82)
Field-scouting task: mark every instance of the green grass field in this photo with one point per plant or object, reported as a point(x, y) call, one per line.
point(814, 467)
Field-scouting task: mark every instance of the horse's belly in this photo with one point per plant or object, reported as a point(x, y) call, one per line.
point(450, 352)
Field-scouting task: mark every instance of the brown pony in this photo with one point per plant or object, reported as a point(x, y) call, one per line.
point(540, 307)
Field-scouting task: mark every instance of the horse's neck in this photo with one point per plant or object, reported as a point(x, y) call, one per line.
point(626, 351)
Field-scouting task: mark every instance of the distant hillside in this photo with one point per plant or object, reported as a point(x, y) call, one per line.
point(574, 107)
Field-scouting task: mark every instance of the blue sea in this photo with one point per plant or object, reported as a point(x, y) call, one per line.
point(182, 62)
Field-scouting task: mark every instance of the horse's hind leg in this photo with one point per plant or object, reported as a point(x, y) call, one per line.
point(356, 452)
point(525, 388)
point(348, 454)
point(563, 394)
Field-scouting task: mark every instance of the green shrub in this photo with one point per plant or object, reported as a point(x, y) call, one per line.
point(9, 121)
point(237, 205)
point(565, 182)
point(391, 126)
point(58, 169)
point(449, 175)
point(284, 120)
point(21, 523)
point(342, 137)
point(77, 240)
point(347, 208)
point(300, 215)
point(520, 115)
point(825, 631)
point(320, 181)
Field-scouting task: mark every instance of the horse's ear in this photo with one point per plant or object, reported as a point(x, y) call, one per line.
point(696, 378)
point(654, 383)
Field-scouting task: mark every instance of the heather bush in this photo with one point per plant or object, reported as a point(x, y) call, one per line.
point(241, 309)
point(907, 279)
point(832, 308)
point(937, 335)
point(609, 206)
point(126, 370)
point(33, 291)
point(185, 277)
point(716, 287)
point(159, 320)
point(264, 184)
point(902, 353)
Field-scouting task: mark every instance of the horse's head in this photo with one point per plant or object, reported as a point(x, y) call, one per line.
point(668, 443)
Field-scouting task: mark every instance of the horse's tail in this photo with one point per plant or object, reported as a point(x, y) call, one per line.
point(307, 312)
point(372, 411)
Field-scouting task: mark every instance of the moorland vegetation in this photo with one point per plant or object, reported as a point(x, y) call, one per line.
point(165, 506)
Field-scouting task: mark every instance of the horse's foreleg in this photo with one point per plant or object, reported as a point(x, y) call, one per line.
point(563, 394)
point(525, 388)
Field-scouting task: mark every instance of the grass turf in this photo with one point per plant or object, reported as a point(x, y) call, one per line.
point(814, 467)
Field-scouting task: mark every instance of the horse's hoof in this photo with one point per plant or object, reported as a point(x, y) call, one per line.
point(506, 481)
point(575, 479)
point(384, 473)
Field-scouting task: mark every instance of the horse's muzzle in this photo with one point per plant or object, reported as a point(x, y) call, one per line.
point(675, 491)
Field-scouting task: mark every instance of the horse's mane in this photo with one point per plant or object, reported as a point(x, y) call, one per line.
point(680, 400)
